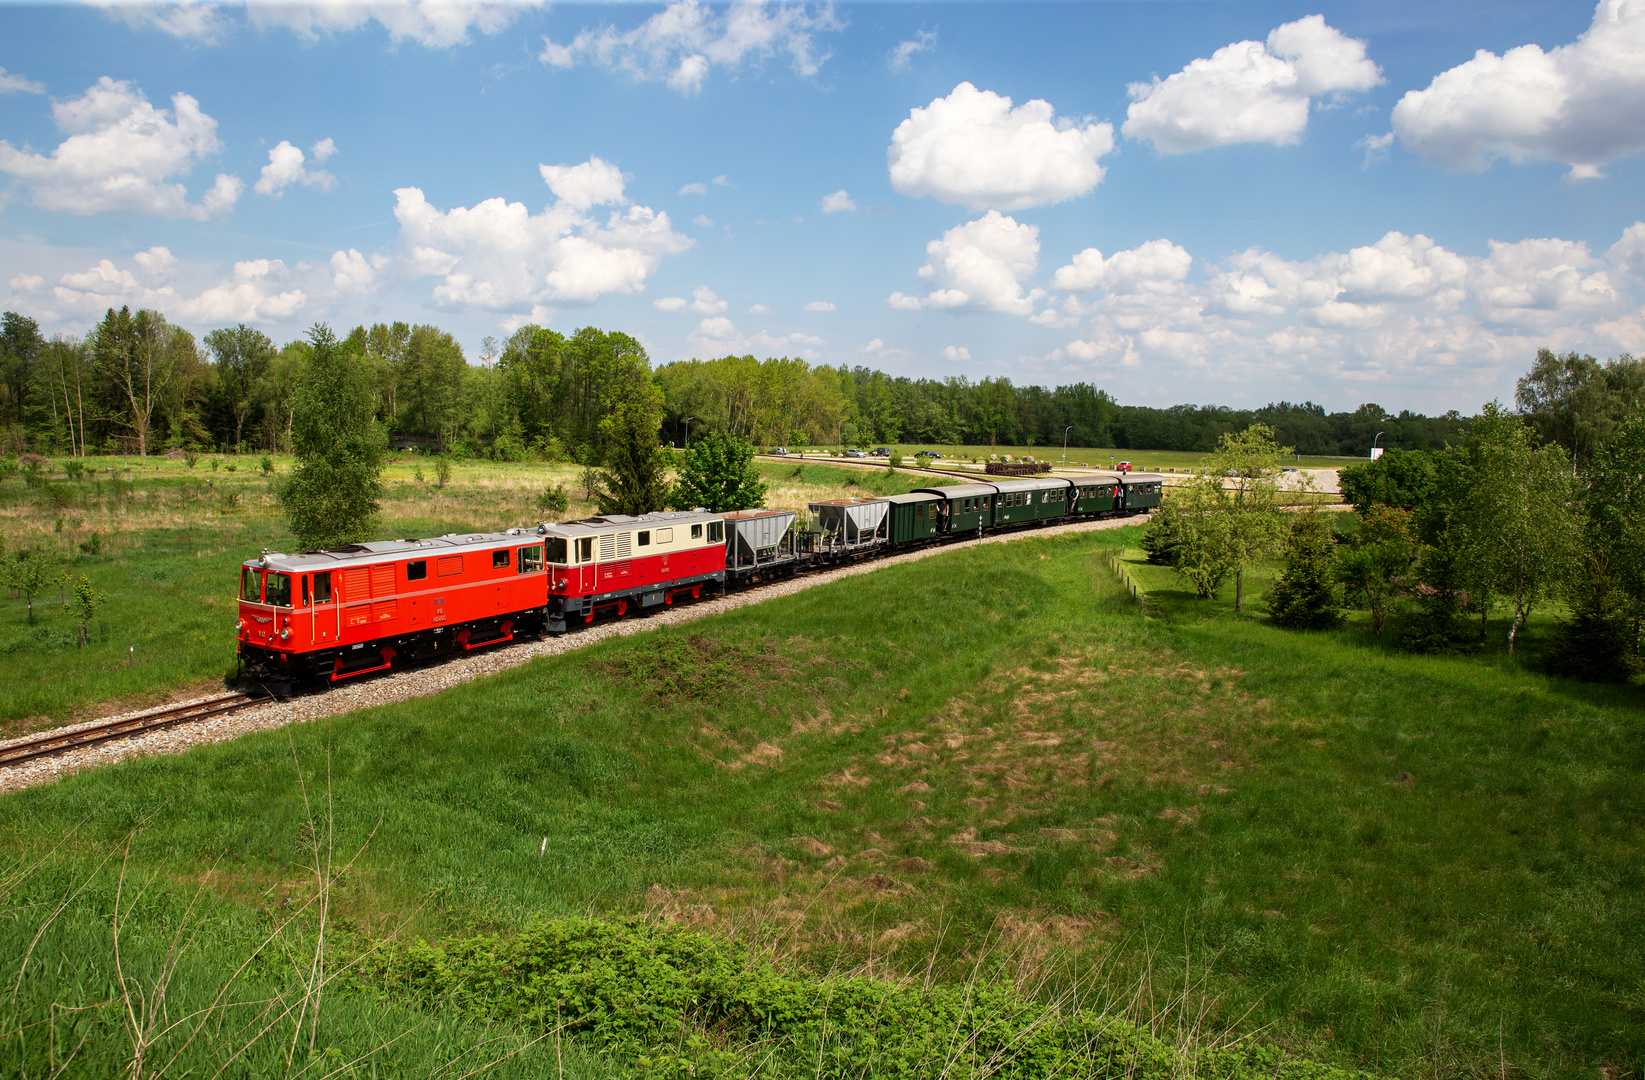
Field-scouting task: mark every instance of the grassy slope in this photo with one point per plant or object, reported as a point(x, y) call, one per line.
point(1415, 864)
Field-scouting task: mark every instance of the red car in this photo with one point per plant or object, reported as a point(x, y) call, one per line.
point(1124, 466)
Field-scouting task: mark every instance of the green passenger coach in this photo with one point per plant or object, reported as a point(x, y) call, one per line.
point(915, 516)
point(1144, 491)
point(966, 507)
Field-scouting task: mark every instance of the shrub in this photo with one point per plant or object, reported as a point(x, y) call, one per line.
point(1596, 643)
point(554, 501)
point(92, 545)
point(228, 501)
point(442, 470)
point(191, 458)
point(74, 468)
point(215, 462)
point(8, 468)
point(1402, 478)
point(267, 465)
point(1305, 597)
point(1163, 536)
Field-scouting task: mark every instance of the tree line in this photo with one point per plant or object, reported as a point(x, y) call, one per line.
point(137, 383)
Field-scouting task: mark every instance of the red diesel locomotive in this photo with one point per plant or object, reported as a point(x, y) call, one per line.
point(329, 615)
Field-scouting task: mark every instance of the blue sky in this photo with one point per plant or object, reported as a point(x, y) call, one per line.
point(1180, 202)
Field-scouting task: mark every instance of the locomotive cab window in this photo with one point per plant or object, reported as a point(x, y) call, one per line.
point(531, 559)
point(499, 559)
point(277, 590)
point(417, 571)
point(322, 588)
point(585, 549)
point(557, 550)
point(696, 532)
point(304, 602)
point(642, 539)
point(251, 585)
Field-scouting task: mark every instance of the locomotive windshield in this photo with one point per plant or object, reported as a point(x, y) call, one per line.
point(277, 590)
point(251, 585)
point(557, 550)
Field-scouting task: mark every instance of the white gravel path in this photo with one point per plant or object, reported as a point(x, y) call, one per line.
point(418, 682)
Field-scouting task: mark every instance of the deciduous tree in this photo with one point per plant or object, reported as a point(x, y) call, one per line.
point(331, 498)
point(242, 356)
point(717, 472)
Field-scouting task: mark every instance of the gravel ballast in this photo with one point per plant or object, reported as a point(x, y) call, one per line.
point(421, 681)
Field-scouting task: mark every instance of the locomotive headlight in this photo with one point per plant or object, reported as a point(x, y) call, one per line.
point(285, 635)
point(239, 624)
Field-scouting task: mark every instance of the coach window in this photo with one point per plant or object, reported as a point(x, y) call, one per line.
point(696, 532)
point(585, 549)
point(322, 588)
point(642, 539)
point(557, 550)
point(417, 571)
point(531, 559)
point(277, 590)
point(499, 559)
point(251, 585)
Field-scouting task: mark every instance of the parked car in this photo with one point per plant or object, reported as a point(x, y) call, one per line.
point(781, 450)
point(880, 451)
point(933, 454)
point(854, 452)
point(1124, 466)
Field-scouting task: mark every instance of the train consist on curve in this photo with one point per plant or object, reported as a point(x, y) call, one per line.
point(325, 616)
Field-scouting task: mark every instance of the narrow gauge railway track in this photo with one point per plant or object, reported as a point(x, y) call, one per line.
point(60, 741)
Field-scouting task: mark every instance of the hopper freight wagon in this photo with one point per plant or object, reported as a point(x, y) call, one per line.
point(326, 616)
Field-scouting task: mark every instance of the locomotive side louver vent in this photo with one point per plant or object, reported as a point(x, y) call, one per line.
point(624, 540)
point(608, 547)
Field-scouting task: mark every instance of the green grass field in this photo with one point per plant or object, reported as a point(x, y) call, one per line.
point(981, 762)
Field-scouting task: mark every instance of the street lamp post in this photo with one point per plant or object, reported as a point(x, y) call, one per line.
point(1065, 432)
point(1380, 434)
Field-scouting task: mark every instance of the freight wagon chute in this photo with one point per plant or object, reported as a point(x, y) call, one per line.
point(758, 538)
point(849, 524)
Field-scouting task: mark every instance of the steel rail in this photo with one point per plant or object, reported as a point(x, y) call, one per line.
point(59, 741)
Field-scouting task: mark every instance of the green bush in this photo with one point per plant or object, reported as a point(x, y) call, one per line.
point(1305, 597)
point(74, 468)
point(554, 501)
point(678, 1003)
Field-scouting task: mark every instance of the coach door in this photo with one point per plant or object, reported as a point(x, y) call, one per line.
point(325, 620)
point(587, 570)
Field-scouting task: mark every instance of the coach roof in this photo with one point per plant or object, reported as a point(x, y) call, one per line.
point(613, 522)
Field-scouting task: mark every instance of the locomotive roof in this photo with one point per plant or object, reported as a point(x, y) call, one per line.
point(329, 558)
point(610, 522)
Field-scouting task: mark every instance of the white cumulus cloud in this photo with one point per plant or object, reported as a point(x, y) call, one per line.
point(972, 147)
point(1250, 91)
point(498, 255)
point(12, 83)
point(352, 272)
point(669, 303)
point(703, 300)
point(1582, 104)
point(682, 43)
point(287, 166)
point(1154, 266)
point(121, 155)
point(719, 336)
point(694, 188)
point(956, 352)
point(258, 290)
point(978, 265)
point(819, 305)
point(837, 203)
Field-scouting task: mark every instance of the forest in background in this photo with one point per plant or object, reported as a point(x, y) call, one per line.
point(139, 384)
